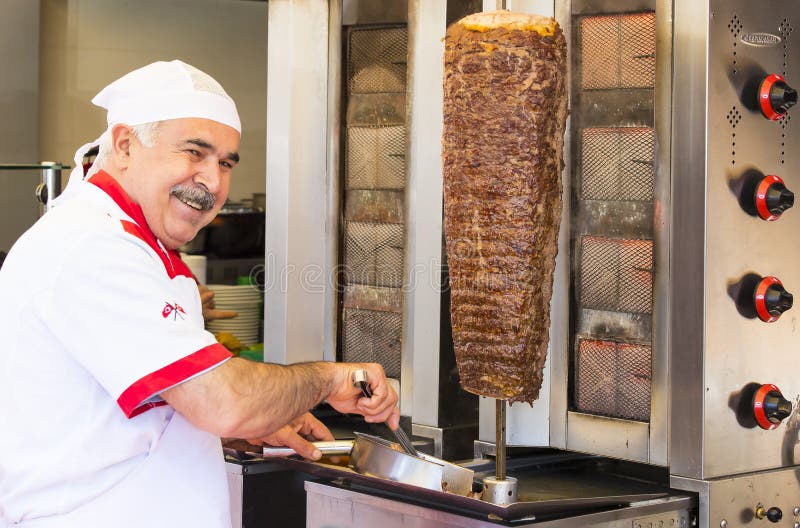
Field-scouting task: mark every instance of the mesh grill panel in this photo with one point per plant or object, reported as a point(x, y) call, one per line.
point(373, 254)
point(616, 274)
point(372, 336)
point(377, 60)
point(618, 51)
point(613, 379)
point(376, 158)
point(617, 164)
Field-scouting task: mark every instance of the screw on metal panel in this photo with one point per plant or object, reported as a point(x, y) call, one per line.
point(796, 510)
point(723, 524)
point(797, 525)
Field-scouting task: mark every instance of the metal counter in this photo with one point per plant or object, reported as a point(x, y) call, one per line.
point(332, 506)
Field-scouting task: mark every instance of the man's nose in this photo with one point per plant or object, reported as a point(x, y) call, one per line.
point(210, 174)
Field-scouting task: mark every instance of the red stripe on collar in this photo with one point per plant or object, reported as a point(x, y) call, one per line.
point(139, 228)
point(111, 187)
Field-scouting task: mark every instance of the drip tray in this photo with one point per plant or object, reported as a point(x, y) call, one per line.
point(550, 486)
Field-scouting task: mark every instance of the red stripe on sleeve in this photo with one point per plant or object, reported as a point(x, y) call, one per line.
point(131, 400)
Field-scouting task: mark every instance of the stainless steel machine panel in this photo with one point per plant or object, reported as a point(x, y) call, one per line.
point(329, 506)
point(746, 500)
point(721, 140)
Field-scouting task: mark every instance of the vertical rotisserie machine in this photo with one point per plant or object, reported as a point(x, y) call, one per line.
point(669, 344)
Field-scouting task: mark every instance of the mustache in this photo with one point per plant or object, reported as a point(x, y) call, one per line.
point(194, 193)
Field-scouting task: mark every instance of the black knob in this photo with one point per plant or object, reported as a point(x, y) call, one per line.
point(774, 514)
point(776, 407)
point(775, 97)
point(771, 197)
point(770, 408)
point(771, 299)
point(779, 199)
point(782, 97)
point(777, 300)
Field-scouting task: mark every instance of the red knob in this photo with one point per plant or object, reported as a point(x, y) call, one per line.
point(771, 299)
point(772, 198)
point(775, 97)
point(770, 407)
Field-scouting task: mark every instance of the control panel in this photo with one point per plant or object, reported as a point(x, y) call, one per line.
point(734, 231)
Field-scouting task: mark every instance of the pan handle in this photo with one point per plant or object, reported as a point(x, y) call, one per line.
point(328, 448)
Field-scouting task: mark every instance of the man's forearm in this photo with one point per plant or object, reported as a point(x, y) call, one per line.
point(251, 400)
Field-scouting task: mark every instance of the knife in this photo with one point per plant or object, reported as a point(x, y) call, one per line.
point(327, 447)
point(360, 381)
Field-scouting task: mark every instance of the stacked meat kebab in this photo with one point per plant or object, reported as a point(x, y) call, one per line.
point(505, 108)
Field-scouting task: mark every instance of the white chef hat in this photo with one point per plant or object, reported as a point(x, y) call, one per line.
point(166, 90)
point(158, 92)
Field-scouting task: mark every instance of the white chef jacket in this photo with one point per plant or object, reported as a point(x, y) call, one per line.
point(97, 319)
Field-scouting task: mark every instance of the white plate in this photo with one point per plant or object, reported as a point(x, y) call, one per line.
point(240, 305)
point(248, 327)
point(251, 295)
point(235, 290)
point(243, 324)
point(243, 309)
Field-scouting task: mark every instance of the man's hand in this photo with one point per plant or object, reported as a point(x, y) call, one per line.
point(346, 398)
point(209, 311)
point(298, 434)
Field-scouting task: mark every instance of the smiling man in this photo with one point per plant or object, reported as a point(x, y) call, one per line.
point(114, 396)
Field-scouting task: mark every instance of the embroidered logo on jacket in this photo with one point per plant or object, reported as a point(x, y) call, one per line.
point(174, 309)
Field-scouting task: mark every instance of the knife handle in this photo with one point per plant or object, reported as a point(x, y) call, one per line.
point(360, 381)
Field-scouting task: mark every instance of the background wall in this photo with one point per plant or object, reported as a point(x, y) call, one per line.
point(85, 44)
point(19, 137)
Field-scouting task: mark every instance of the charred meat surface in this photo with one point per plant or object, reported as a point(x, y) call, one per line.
point(505, 107)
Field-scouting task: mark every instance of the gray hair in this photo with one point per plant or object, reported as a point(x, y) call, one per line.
point(145, 133)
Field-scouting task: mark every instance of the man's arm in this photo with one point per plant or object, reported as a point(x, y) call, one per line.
point(245, 399)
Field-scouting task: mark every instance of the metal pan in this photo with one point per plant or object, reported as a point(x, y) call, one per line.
point(376, 457)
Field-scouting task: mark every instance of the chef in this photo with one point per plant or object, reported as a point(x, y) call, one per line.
point(114, 397)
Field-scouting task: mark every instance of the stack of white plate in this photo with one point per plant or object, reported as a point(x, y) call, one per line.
point(246, 301)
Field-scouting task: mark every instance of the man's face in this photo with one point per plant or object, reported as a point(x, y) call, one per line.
point(182, 181)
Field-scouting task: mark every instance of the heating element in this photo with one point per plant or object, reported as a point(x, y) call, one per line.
point(613, 192)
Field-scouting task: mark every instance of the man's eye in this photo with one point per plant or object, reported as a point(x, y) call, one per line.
point(193, 152)
point(228, 165)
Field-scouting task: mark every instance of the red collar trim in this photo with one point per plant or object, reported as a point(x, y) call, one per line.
point(171, 259)
point(111, 187)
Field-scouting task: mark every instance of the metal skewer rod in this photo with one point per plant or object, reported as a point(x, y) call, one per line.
point(500, 439)
point(500, 489)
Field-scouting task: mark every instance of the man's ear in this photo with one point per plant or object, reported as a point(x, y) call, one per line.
point(122, 140)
